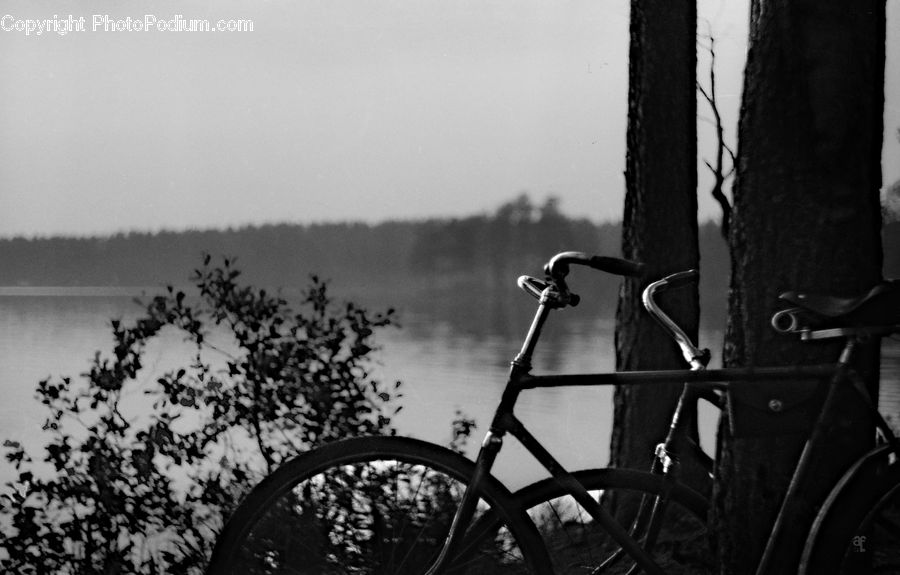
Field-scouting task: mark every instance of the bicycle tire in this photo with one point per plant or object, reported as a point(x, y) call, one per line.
point(577, 546)
point(859, 529)
point(372, 505)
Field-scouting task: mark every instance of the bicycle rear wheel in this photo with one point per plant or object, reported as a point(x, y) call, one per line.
point(860, 531)
point(668, 518)
point(373, 505)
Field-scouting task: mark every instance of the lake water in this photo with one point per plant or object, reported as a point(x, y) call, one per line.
point(446, 359)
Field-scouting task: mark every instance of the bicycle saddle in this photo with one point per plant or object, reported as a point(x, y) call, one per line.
point(879, 306)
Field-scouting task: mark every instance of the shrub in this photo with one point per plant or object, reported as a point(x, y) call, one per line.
point(147, 492)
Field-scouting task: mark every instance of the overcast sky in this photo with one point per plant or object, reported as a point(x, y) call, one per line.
point(328, 110)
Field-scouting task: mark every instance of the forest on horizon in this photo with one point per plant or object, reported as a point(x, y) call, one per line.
point(367, 261)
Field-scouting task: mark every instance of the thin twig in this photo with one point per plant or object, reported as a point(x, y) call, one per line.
point(718, 171)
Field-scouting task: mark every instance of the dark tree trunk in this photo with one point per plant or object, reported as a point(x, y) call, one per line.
point(660, 223)
point(806, 217)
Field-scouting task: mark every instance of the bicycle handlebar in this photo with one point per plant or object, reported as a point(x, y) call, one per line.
point(554, 293)
point(558, 266)
point(696, 357)
point(676, 280)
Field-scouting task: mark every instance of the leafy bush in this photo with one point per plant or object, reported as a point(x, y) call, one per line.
point(147, 492)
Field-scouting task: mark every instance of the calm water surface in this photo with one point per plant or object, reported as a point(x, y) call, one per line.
point(447, 361)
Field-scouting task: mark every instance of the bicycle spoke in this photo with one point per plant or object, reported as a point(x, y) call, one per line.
point(629, 496)
point(371, 513)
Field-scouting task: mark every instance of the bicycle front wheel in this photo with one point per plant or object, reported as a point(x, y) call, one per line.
point(373, 505)
point(668, 519)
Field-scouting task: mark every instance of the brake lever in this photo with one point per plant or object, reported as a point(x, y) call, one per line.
point(566, 297)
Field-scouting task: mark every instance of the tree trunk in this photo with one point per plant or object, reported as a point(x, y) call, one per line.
point(660, 223)
point(806, 217)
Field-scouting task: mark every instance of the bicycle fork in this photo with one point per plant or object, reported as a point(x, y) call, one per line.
point(651, 511)
point(490, 447)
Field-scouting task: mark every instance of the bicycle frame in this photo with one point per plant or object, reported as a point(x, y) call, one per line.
point(697, 379)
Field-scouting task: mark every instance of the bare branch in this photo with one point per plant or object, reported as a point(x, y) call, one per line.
point(704, 93)
point(718, 170)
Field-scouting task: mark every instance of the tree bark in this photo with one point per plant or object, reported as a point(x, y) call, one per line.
point(807, 218)
point(660, 221)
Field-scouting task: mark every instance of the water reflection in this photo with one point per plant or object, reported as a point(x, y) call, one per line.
point(451, 352)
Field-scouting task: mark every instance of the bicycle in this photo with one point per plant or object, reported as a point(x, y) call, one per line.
point(400, 505)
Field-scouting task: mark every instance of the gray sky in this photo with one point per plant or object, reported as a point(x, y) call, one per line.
point(328, 110)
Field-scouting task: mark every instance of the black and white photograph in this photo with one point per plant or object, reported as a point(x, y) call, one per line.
point(486, 287)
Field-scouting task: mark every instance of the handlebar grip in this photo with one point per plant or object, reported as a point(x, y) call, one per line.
point(617, 266)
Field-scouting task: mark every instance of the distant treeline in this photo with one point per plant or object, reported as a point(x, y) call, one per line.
point(518, 236)
point(393, 257)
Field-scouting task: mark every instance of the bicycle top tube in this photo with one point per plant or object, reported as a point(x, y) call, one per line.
point(710, 378)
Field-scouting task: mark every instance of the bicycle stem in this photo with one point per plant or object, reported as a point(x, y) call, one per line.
point(522, 363)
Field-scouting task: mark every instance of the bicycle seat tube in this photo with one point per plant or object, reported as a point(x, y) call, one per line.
point(829, 412)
